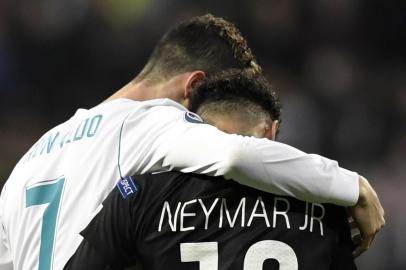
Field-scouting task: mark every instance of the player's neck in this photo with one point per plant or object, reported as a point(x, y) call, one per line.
point(143, 90)
point(135, 91)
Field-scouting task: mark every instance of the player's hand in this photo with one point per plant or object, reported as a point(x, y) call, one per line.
point(368, 214)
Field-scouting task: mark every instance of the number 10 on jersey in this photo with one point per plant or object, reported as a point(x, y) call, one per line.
point(206, 253)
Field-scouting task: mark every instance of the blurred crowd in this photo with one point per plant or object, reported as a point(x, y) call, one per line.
point(339, 67)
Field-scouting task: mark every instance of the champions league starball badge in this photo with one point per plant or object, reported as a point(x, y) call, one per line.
point(192, 118)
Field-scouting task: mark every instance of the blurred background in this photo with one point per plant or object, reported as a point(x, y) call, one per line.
point(339, 66)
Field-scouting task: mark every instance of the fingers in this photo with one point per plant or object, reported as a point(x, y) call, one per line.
point(356, 239)
point(382, 218)
point(363, 246)
point(364, 240)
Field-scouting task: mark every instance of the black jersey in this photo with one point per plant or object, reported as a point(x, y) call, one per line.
point(195, 222)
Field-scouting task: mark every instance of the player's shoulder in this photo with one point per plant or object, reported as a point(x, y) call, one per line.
point(154, 187)
point(124, 103)
point(133, 186)
point(140, 193)
point(153, 111)
point(129, 105)
point(160, 180)
point(167, 179)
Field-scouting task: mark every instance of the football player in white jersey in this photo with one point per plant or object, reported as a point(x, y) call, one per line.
point(59, 184)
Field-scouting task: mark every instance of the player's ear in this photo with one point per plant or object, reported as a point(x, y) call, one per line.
point(191, 81)
point(274, 129)
point(271, 133)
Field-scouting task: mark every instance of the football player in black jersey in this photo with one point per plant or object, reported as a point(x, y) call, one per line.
point(195, 222)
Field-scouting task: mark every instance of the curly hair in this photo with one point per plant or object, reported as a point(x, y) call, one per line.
point(206, 43)
point(237, 89)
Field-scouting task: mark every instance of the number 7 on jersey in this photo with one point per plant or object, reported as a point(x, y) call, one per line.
point(50, 193)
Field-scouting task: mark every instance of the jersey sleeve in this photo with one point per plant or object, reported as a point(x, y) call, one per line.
point(6, 262)
point(165, 138)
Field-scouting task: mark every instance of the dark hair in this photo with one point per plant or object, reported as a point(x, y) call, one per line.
point(236, 87)
point(206, 43)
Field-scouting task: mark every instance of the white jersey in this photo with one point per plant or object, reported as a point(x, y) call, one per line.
point(59, 184)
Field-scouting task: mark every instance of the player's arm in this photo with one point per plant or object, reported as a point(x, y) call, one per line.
point(6, 262)
point(171, 142)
